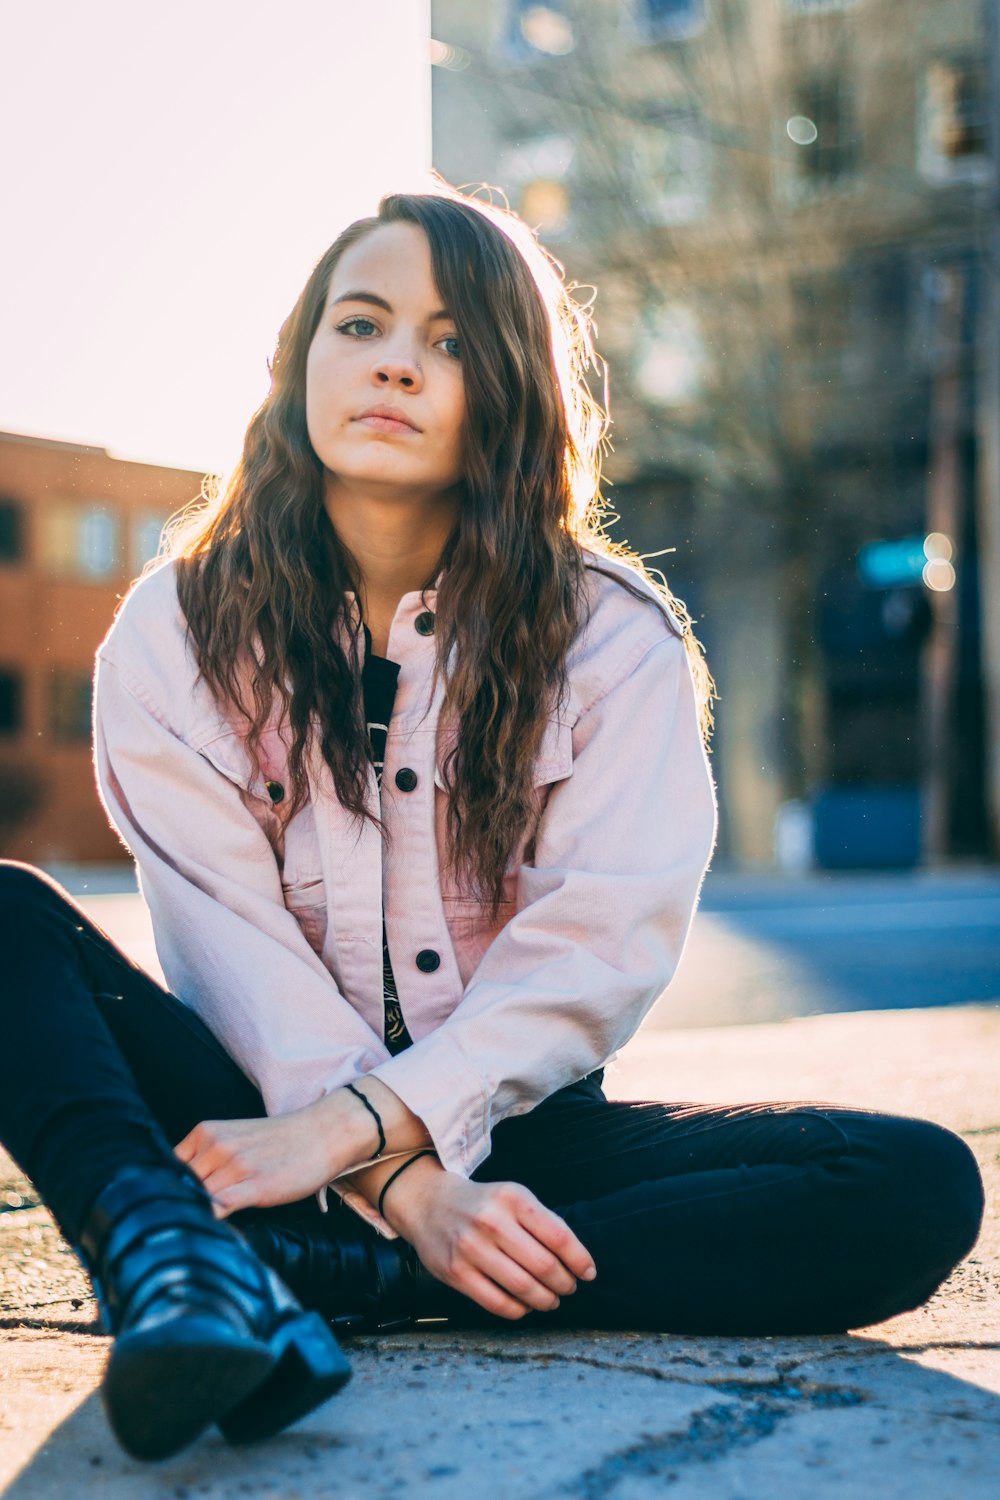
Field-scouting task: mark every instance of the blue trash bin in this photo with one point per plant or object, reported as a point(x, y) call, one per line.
point(867, 828)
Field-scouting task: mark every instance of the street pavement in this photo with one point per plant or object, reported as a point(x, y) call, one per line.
point(759, 1010)
point(767, 947)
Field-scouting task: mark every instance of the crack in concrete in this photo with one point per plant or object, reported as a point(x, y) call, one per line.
point(19, 1308)
point(759, 1404)
point(51, 1325)
point(728, 1384)
point(556, 1356)
point(710, 1435)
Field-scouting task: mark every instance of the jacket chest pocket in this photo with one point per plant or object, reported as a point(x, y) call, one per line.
point(553, 763)
point(296, 843)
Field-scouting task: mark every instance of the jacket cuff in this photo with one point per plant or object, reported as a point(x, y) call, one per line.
point(435, 1080)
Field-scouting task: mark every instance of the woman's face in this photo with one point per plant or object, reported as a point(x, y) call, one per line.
point(385, 339)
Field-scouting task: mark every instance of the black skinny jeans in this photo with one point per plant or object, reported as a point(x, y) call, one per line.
point(741, 1219)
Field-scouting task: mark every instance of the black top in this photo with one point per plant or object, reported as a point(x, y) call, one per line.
point(378, 683)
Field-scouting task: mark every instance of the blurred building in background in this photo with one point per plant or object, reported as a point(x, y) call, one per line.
point(787, 209)
point(76, 526)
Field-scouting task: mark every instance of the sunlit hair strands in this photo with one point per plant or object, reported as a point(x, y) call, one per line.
point(258, 559)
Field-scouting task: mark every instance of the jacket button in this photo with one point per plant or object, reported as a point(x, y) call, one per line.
point(428, 960)
point(424, 623)
point(406, 779)
point(275, 790)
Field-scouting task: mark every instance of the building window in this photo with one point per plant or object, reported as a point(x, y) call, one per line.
point(11, 531)
point(953, 128)
point(11, 701)
point(147, 529)
point(69, 704)
point(535, 174)
point(669, 20)
point(533, 31)
point(824, 130)
point(671, 166)
point(81, 541)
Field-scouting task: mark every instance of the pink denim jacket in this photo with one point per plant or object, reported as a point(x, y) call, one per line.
point(275, 940)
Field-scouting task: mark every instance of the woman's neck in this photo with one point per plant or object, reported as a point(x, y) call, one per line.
point(396, 542)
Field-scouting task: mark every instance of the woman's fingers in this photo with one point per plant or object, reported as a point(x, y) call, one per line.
point(537, 1260)
point(481, 1289)
point(227, 1200)
point(512, 1277)
point(204, 1152)
point(185, 1149)
point(557, 1236)
point(227, 1176)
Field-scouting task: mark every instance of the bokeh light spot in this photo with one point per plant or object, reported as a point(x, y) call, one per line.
point(939, 575)
point(937, 545)
point(801, 130)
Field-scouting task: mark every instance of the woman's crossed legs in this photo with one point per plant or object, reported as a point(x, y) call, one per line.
point(752, 1218)
point(756, 1218)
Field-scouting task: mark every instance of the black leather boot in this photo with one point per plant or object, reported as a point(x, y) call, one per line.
point(203, 1332)
point(338, 1265)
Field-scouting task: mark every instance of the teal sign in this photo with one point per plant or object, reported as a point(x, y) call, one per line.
point(884, 565)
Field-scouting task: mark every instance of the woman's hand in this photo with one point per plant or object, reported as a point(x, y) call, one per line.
point(275, 1159)
point(493, 1241)
point(282, 1158)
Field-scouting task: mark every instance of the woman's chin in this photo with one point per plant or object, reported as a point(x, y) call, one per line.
point(382, 476)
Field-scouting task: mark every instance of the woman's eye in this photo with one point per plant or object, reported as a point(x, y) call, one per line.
point(453, 353)
point(352, 325)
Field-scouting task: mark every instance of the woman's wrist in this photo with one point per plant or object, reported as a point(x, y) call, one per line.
point(348, 1129)
point(349, 1124)
point(401, 1205)
point(404, 1131)
point(390, 1181)
point(371, 1182)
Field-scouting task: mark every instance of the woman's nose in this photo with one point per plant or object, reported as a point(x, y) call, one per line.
point(402, 370)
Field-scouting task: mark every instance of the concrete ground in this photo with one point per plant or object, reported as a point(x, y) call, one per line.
point(909, 1407)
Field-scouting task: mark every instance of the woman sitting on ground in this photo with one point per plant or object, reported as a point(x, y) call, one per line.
point(412, 762)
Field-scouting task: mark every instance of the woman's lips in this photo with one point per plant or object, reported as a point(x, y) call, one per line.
point(386, 424)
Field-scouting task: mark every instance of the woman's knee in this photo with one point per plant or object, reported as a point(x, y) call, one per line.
point(957, 1193)
point(26, 894)
point(24, 886)
point(929, 1188)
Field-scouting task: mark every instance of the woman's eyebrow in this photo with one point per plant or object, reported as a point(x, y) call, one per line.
point(376, 301)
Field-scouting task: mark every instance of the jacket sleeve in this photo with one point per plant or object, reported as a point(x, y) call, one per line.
point(603, 914)
point(228, 946)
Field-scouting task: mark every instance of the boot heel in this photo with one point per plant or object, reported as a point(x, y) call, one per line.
point(163, 1387)
point(310, 1368)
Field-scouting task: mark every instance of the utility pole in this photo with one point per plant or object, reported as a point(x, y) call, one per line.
point(988, 430)
point(944, 515)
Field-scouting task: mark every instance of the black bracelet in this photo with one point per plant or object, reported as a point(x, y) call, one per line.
point(369, 1106)
point(429, 1151)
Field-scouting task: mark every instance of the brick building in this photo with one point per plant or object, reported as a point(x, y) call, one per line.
point(76, 527)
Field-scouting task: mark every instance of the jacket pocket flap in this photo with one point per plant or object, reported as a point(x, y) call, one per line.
point(228, 755)
point(307, 894)
point(554, 761)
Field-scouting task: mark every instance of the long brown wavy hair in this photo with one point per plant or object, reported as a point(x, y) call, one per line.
point(258, 559)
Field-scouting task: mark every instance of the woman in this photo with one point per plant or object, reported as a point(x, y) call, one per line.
point(412, 762)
